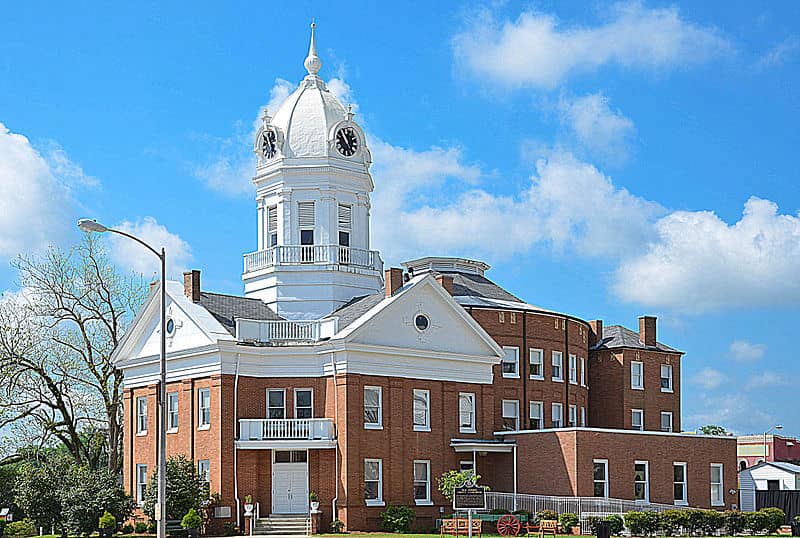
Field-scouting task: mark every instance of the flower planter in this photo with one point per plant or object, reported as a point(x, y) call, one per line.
point(576, 530)
point(193, 533)
point(314, 506)
point(248, 509)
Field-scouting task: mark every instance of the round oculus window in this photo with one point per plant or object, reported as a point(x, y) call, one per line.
point(170, 326)
point(421, 322)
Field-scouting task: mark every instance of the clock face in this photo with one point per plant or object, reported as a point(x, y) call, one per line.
point(347, 141)
point(268, 144)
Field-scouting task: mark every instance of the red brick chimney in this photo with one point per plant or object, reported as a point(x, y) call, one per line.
point(647, 330)
point(445, 281)
point(596, 332)
point(393, 279)
point(191, 285)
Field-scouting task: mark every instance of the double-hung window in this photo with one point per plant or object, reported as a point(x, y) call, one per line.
point(141, 483)
point(276, 403)
point(679, 482)
point(511, 415)
point(537, 363)
point(373, 408)
point(583, 416)
point(204, 474)
point(272, 226)
point(573, 416)
point(345, 225)
point(306, 222)
point(141, 415)
point(557, 415)
point(422, 482)
point(536, 415)
point(172, 412)
point(641, 481)
point(600, 474)
point(666, 378)
point(422, 410)
point(666, 421)
point(637, 375)
point(303, 403)
point(558, 366)
point(573, 369)
point(717, 496)
point(511, 361)
point(203, 408)
point(583, 372)
point(466, 412)
point(637, 419)
point(373, 482)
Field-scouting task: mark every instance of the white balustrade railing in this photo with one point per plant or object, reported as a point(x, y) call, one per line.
point(255, 330)
point(270, 429)
point(312, 254)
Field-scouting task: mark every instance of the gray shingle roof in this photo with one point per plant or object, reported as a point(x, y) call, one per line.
point(468, 284)
point(226, 308)
point(616, 336)
point(355, 308)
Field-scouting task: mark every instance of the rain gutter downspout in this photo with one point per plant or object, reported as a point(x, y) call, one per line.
point(334, 514)
point(235, 439)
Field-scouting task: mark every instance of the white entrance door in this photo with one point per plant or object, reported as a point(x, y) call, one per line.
point(290, 482)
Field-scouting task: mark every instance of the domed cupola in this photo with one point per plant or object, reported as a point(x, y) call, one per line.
point(312, 189)
point(311, 124)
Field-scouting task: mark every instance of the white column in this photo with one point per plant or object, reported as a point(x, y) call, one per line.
point(261, 232)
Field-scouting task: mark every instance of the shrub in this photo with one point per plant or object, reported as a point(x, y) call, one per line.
point(107, 521)
point(712, 521)
point(773, 519)
point(453, 479)
point(398, 518)
point(499, 511)
point(642, 523)
point(694, 521)
point(523, 513)
point(734, 522)
point(546, 514)
point(140, 528)
point(337, 526)
point(229, 529)
point(20, 529)
point(615, 523)
point(184, 489)
point(593, 522)
point(673, 520)
point(152, 526)
point(192, 520)
point(127, 528)
point(567, 520)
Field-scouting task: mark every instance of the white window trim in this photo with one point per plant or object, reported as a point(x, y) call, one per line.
point(285, 414)
point(201, 425)
point(427, 501)
point(605, 482)
point(572, 363)
point(641, 375)
point(171, 429)
point(641, 421)
point(516, 407)
point(379, 501)
point(374, 425)
point(583, 417)
point(516, 362)
point(721, 501)
point(671, 425)
point(461, 428)
point(469, 463)
point(140, 497)
point(646, 464)
point(560, 378)
point(540, 353)
point(301, 389)
point(572, 412)
point(541, 413)
point(583, 371)
point(671, 370)
point(560, 407)
point(427, 426)
point(139, 430)
point(202, 478)
point(684, 501)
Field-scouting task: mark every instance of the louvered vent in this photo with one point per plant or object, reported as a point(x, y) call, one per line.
point(305, 215)
point(345, 217)
point(272, 219)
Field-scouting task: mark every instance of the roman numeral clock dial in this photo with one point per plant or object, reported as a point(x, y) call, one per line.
point(347, 141)
point(268, 144)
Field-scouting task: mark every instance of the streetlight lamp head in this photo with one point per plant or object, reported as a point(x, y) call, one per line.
point(779, 427)
point(90, 225)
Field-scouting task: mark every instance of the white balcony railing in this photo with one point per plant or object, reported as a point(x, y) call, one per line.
point(285, 331)
point(286, 429)
point(312, 255)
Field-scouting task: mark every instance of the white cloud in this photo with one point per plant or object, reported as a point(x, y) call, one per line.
point(744, 351)
point(131, 255)
point(709, 378)
point(780, 53)
point(764, 380)
point(604, 132)
point(536, 50)
point(734, 412)
point(36, 201)
point(700, 263)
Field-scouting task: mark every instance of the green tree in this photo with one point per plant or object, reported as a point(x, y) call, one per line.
point(184, 489)
point(713, 429)
point(87, 495)
point(451, 480)
point(38, 487)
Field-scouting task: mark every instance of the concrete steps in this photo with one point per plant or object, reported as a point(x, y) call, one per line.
point(282, 525)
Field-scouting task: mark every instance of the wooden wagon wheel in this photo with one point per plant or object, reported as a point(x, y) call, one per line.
point(508, 525)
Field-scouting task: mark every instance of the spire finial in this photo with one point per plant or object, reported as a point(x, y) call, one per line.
point(313, 63)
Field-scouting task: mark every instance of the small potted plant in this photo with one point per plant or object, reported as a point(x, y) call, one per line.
point(107, 525)
point(248, 505)
point(192, 523)
point(570, 524)
point(796, 526)
point(314, 499)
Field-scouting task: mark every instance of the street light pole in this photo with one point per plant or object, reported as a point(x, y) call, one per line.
point(776, 427)
point(88, 225)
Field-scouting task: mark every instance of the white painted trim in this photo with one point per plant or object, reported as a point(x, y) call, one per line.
point(287, 444)
point(473, 428)
point(684, 501)
point(607, 478)
point(275, 389)
point(373, 425)
point(427, 426)
point(516, 362)
point(294, 403)
point(379, 501)
point(641, 375)
point(427, 501)
point(541, 364)
point(646, 464)
point(468, 445)
point(721, 501)
point(612, 430)
point(641, 419)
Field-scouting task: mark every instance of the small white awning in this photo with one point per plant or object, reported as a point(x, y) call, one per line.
point(472, 445)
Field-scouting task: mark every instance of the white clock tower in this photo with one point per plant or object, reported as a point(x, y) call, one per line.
point(312, 192)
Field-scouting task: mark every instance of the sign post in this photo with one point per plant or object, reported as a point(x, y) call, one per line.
point(469, 497)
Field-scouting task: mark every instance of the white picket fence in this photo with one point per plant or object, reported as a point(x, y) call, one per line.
point(583, 507)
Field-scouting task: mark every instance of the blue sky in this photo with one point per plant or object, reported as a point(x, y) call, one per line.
point(608, 160)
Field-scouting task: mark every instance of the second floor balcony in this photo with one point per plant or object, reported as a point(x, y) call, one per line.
point(312, 255)
point(285, 331)
point(266, 433)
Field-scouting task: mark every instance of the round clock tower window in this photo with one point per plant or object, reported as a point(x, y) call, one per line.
point(421, 322)
point(268, 144)
point(347, 141)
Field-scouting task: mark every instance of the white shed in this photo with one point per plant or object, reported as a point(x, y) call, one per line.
point(775, 475)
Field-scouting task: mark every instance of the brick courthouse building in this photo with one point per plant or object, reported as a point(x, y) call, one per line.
point(330, 375)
